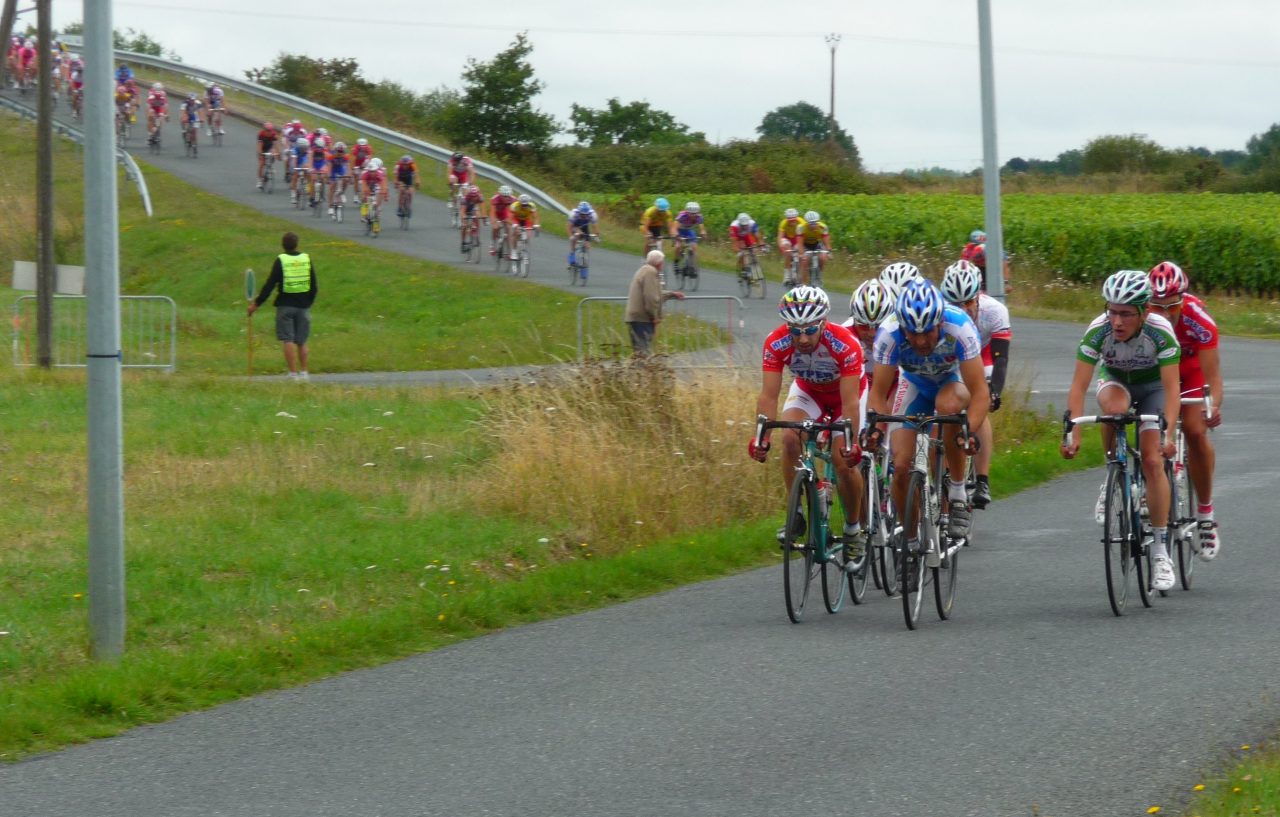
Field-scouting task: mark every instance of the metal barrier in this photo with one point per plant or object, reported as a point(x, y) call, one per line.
point(148, 331)
point(131, 170)
point(362, 127)
point(701, 331)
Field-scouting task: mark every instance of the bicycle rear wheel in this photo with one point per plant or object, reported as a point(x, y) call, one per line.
point(833, 576)
point(691, 270)
point(944, 576)
point(914, 576)
point(744, 282)
point(757, 279)
point(798, 565)
point(1116, 545)
point(1182, 518)
point(1141, 547)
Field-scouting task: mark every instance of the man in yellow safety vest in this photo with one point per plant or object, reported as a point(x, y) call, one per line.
point(295, 276)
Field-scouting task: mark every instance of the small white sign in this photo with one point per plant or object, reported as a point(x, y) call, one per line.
point(69, 280)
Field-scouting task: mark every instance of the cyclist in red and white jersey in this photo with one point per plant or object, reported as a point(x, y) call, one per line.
point(826, 360)
point(499, 212)
point(293, 131)
point(962, 287)
point(157, 108)
point(322, 136)
point(361, 153)
point(870, 305)
point(1199, 366)
point(460, 169)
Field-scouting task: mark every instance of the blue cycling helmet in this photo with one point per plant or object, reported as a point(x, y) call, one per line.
point(584, 207)
point(662, 204)
point(920, 306)
point(978, 237)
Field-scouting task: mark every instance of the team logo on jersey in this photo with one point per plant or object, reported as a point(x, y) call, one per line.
point(1197, 329)
point(781, 344)
point(838, 346)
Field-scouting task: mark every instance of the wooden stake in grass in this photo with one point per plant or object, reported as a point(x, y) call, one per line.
point(249, 287)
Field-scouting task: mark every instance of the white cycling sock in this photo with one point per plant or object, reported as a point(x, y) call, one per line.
point(1161, 545)
point(956, 492)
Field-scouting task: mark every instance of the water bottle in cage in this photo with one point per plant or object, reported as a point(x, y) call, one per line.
point(826, 495)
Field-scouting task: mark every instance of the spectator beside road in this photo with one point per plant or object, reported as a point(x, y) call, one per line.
point(644, 303)
point(295, 276)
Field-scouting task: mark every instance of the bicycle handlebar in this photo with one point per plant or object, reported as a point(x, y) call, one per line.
point(844, 427)
point(1126, 419)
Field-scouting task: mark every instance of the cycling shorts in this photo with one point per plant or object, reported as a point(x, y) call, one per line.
point(404, 178)
point(816, 407)
point(656, 232)
point(1147, 398)
point(687, 234)
point(918, 397)
point(318, 164)
point(526, 223)
point(337, 171)
point(215, 105)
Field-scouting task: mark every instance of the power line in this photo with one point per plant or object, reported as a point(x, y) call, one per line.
point(1181, 59)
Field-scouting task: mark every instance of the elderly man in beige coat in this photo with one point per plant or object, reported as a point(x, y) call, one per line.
point(644, 303)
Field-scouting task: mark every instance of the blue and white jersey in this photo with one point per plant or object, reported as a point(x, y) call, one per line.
point(578, 220)
point(958, 341)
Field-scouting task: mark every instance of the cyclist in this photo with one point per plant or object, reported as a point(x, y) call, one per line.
point(524, 214)
point(499, 214)
point(979, 259)
point(406, 180)
point(192, 113)
point(215, 99)
point(1198, 366)
point(934, 349)
point(266, 144)
point(322, 136)
point(293, 131)
point(1139, 355)
point(461, 170)
point(813, 235)
point(827, 363)
point(27, 64)
point(157, 108)
point(338, 177)
point(868, 308)
point(689, 226)
point(317, 165)
point(961, 286)
point(472, 200)
point(787, 229)
point(744, 233)
point(124, 99)
point(373, 182)
point(361, 154)
point(654, 222)
point(896, 276)
point(297, 164)
point(124, 74)
point(75, 81)
point(581, 219)
point(976, 238)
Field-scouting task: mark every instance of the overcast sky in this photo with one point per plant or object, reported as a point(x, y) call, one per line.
point(1183, 72)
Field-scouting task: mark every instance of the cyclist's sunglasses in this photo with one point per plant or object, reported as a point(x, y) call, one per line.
point(1165, 307)
point(797, 331)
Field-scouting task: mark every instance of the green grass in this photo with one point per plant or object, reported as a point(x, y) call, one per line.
point(1251, 787)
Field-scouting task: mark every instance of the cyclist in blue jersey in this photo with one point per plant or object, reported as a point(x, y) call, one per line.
point(937, 350)
point(581, 219)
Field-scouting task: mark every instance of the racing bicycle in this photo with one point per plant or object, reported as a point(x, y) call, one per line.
point(580, 257)
point(686, 264)
point(751, 276)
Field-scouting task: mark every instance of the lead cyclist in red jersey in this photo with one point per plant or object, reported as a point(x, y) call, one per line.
point(1198, 367)
point(826, 360)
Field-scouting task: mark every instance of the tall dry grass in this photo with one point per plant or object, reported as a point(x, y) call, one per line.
point(619, 453)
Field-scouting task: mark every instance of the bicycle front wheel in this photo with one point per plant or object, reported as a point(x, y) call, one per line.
point(744, 282)
point(914, 576)
point(944, 576)
point(692, 272)
point(1182, 519)
point(797, 555)
point(757, 279)
point(1117, 548)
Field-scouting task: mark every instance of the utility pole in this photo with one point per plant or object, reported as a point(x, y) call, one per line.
point(833, 40)
point(990, 162)
point(6, 27)
point(102, 290)
point(46, 271)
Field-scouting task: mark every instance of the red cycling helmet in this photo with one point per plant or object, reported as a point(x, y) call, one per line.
point(1168, 280)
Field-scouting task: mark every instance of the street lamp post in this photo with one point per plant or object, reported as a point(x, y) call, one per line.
point(833, 40)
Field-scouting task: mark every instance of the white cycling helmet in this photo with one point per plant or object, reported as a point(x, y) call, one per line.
point(504, 190)
point(693, 207)
point(158, 86)
point(804, 305)
point(791, 212)
point(322, 131)
point(362, 141)
point(961, 282)
point(870, 303)
point(1128, 286)
point(375, 163)
point(743, 220)
point(896, 276)
point(812, 217)
point(525, 198)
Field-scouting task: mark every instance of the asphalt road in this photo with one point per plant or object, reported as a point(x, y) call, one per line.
point(1034, 699)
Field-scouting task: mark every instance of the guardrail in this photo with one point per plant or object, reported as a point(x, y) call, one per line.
point(131, 169)
point(359, 125)
point(700, 331)
point(148, 332)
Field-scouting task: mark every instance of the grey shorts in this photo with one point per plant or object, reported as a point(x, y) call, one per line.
point(293, 324)
point(1147, 398)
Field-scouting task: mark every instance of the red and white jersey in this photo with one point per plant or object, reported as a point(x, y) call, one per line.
point(992, 323)
point(157, 99)
point(461, 169)
point(294, 133)
point(372, 177)
point(1195, 330)
point(837, 355)
point(324, 139)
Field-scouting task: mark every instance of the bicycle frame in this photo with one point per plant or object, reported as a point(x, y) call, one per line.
point(822, 552)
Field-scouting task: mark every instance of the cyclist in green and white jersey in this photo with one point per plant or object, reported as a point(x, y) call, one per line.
point(1139, 355)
